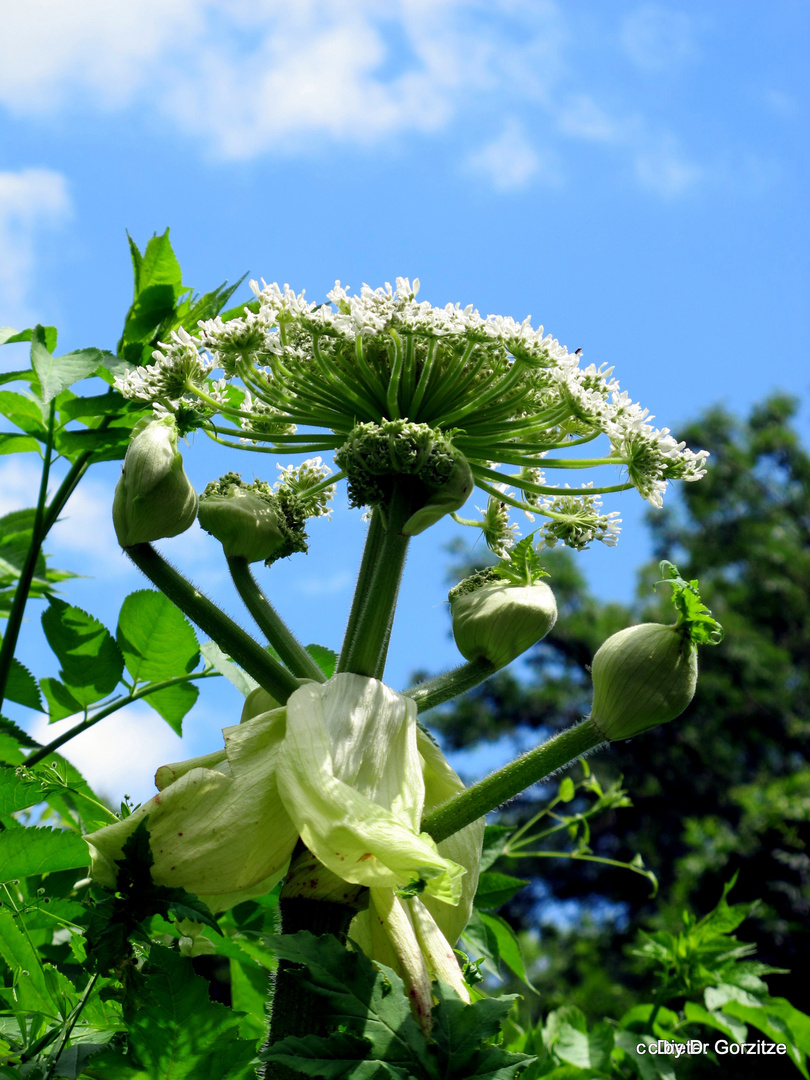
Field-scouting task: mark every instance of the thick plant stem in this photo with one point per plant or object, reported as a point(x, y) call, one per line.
point(232, 639)
point(296, 1011)
point(445, 687)
point(501, 786)
point(365, 652)
point(286, 644)
point(29, 567)
point(371, 550)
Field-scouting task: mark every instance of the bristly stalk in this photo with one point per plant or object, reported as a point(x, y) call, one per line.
point(232, 639)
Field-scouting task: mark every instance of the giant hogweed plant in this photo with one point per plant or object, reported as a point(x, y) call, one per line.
point(327, 841)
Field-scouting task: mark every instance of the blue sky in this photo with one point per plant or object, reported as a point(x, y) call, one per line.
point(633, 175)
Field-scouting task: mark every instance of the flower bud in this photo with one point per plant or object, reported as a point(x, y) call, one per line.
point(244, 518)
point(154, 497)
point(499, 620)
point(643, 676)
point(449, 496)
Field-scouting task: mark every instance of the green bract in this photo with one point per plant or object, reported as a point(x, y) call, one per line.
point(499, 621)
point(154, 497)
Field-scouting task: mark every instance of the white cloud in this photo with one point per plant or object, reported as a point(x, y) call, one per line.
point(657, 38)
point(247, 79)
point(581, 117)
point(510, 162)
point(84, 532)
point(119, 755)
point(664, 170)
point(31, 200)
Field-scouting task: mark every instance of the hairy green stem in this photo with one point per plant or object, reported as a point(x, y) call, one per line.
point(504, 784)
point(366, 643)
point(295, 1010)
point(232, 639)
point(108, 710)
point(286, 644)
point(445, 687)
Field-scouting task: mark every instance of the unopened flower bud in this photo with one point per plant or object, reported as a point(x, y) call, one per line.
point(646, 675)
point(154, 497)
point(643, 676)
point(246, 519)
point(497, 621)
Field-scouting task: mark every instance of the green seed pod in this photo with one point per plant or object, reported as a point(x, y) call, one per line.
point(247, 522)
point(643, 676)
point(498, 621)
point(154, 497)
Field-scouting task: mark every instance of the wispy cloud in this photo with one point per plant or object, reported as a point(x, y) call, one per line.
point(32, 201)
point(268, 77)
point(510, 162)
point(119, 756)
point(664, 169)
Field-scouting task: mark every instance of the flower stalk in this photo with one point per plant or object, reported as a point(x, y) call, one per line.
point(232, 639)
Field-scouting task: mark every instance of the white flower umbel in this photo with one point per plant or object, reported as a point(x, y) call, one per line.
point(340, 766)
point(500, 391)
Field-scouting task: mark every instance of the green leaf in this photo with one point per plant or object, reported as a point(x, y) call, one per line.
point(108, 445)
point(57, 373)
point(369, 1000)
point(23, 412)
point(173, 703)
point(460, 1030)
point(494, 939)
point(213, 655)
point(338, 1055)
point(8, 727)
point(154, 637)
point(589, 1050)
point(28, 851)
point(91, 661)
point(18, 790)
point(178, 1033)
point(648, 1066)
point(22, 687)
point(16, 444)
point(716, 1019)
point(61, 703)
point(496, 837)
point(780, 1021)
point(566, 790)
point(326, 659)
point(18, 952)
point(494, 890)
point(45, 334)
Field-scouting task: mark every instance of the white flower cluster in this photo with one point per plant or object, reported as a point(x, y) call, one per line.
point(306, 482)
point(501, 390)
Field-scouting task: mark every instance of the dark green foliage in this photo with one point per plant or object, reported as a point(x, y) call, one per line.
point(378, 1036)
point(175, 1032)
point(115, 924)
